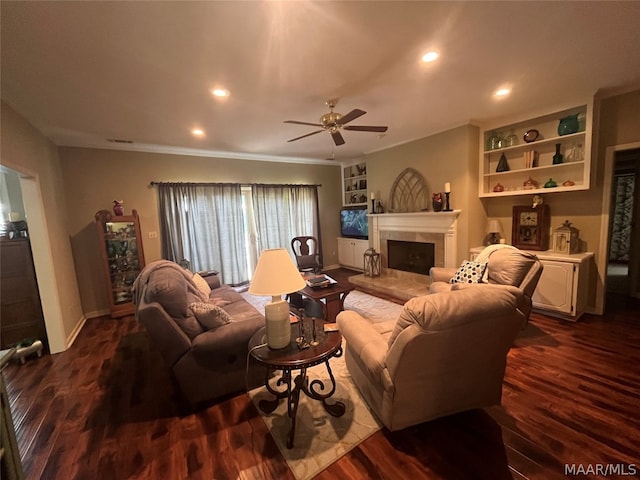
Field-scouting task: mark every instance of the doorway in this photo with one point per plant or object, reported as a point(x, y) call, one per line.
point(623, 251)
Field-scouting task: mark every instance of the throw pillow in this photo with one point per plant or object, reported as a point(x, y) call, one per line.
point(209, 316)
point(202, 285)
point(469, 272)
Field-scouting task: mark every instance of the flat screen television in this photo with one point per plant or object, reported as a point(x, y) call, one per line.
point(354, 222)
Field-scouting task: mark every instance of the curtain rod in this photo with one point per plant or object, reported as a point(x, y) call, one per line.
point(204, 184)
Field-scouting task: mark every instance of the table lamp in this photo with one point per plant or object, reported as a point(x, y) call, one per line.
point(275, 275)
point(493, 231)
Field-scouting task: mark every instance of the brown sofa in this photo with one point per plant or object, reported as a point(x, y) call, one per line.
point(207, 363)
point(446, 353)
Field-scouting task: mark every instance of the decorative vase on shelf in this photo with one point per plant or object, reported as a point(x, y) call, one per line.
point(503, 165)
point(550, 183)
point(530, 184)
point(511, 140)
point(558, 158)
point(436, 202)
point(118, 207)
point(494, 141)
point(568, 125)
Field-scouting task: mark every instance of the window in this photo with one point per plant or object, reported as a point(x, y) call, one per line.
point(224, 227)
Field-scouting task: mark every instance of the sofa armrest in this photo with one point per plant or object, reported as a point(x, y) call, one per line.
point(212, 279)
point(165, 333)
point(364, 341)
point(441, 274)
point(221, 346)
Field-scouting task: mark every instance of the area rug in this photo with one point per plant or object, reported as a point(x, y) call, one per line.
point(321, 439)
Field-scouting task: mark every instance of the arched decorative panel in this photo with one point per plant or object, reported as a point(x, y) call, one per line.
point(409, 192)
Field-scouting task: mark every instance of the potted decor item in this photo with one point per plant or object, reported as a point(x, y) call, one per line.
point(568, 125)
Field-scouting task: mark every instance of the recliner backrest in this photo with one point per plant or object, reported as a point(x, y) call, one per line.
point(448, 310)
point(514, 267)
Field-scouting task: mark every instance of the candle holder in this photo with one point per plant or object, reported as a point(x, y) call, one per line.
point(373, 206)
point(447, 208)
point(314, 341)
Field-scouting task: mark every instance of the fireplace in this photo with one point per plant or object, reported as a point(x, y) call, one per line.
point(436, 228)
point(414, 257)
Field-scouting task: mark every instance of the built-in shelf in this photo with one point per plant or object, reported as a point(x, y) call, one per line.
point(354, 184)
point(570, 175)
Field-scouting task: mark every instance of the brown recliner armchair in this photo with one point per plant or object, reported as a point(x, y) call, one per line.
point(307, 253)
point(446, 353)
point(506, 265)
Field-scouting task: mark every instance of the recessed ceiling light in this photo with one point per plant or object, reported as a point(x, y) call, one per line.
point(197, 132)
point(220, 92)
point(430, 57)
point(502, 92)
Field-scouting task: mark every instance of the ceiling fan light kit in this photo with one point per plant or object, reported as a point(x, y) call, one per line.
point(333, 122)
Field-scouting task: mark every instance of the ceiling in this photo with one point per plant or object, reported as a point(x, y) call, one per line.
point(85, 72)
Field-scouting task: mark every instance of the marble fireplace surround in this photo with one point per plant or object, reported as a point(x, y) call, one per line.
point(439, 228)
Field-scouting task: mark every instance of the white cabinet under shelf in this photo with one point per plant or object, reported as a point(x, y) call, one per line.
point(575, 148)
point(351, 252)
point(562, 288)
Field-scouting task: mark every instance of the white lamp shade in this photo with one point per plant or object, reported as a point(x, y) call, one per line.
point(493, 226)
point(276, 274)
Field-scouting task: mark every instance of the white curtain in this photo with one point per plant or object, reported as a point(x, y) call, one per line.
point(204, 224)
point(283, 212)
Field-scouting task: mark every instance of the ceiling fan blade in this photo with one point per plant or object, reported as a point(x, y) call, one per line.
point(352, 115)
point(307, 135)
point(303, 123)
point(337, 138)
point(365, 128)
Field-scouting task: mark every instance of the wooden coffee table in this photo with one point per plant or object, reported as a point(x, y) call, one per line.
point(331, 298)
point(290, 358)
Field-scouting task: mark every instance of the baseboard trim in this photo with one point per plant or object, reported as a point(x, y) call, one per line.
point(75, 332)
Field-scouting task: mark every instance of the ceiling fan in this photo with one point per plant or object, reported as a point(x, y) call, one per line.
point(333, 122)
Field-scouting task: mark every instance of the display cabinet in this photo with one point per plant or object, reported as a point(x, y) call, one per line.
point(354, 184)
point(122, 258)
point(511, 165)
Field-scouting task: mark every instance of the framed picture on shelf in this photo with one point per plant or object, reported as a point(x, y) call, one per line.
point(530, 227)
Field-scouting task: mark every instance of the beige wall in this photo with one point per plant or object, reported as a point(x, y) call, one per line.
point(95, 177)
point(25, 150)
point(450, 156)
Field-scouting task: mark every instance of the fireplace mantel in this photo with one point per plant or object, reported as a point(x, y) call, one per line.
point(424, 222)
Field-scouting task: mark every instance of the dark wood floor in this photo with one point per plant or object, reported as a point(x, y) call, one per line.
point(106, 409)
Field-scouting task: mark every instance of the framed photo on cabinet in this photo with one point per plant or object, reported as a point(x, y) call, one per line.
point(530, 227)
